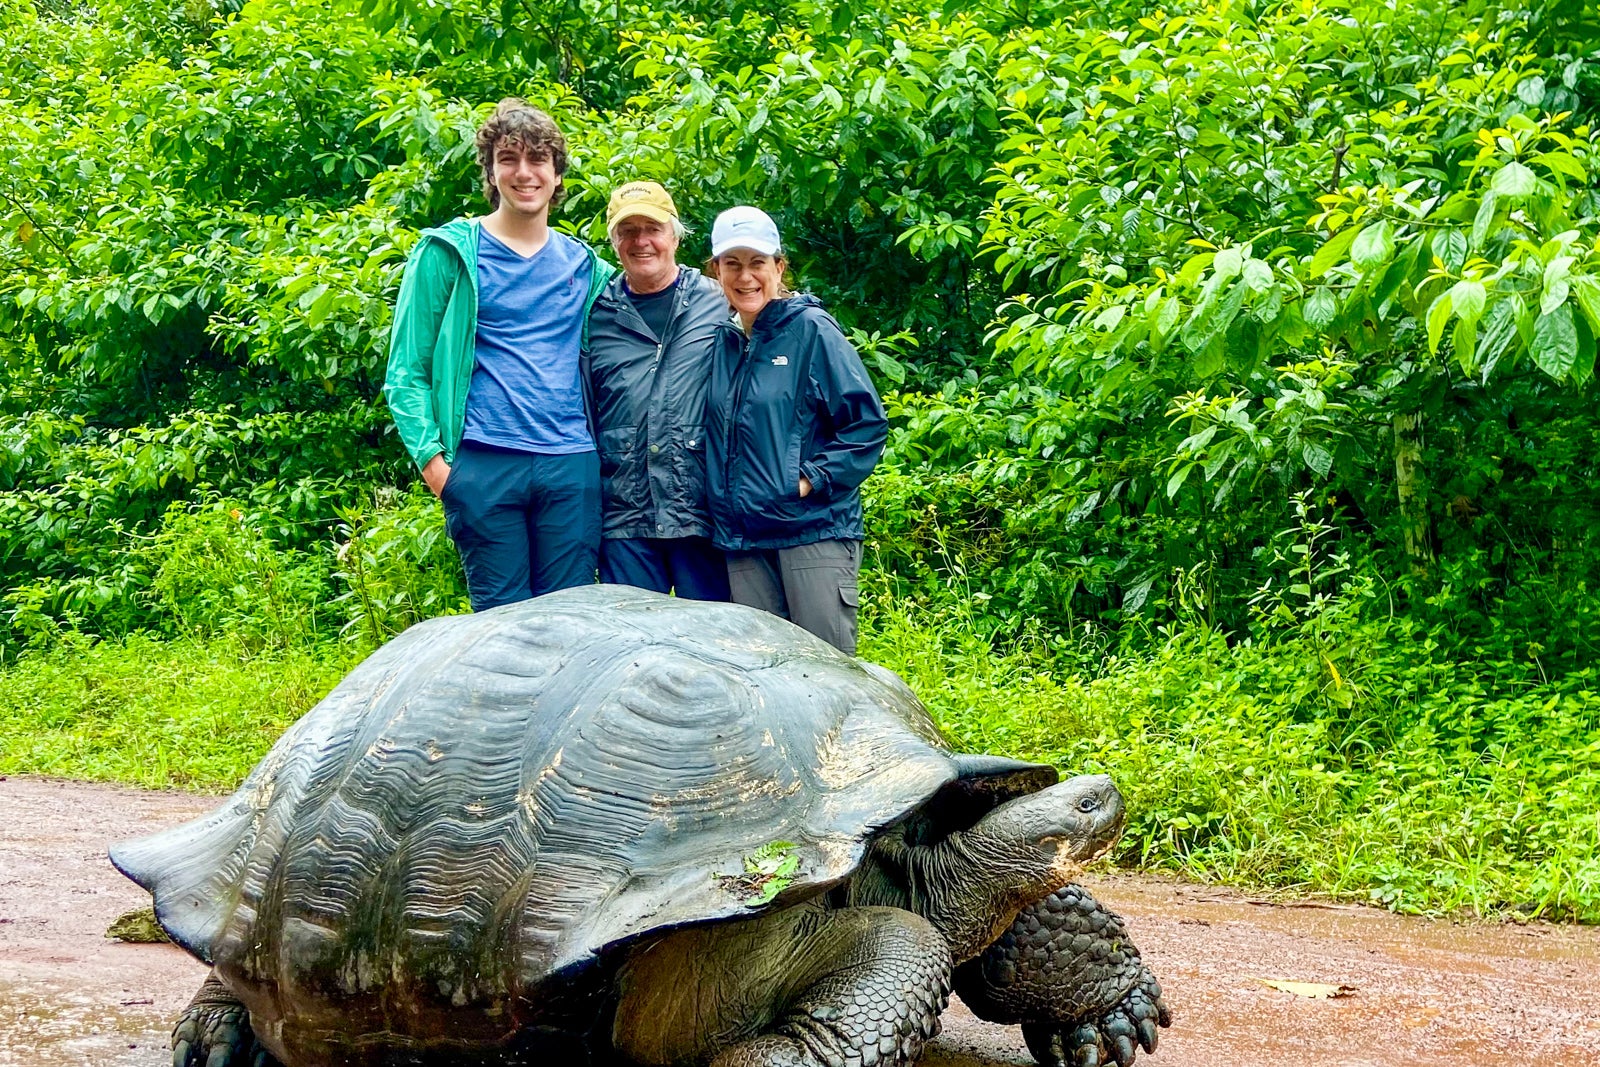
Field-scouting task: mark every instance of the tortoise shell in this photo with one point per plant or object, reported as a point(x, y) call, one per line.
point(492, 802)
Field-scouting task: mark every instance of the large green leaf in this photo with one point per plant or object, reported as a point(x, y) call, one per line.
point(1373, 246)
point(1483, 221)
point(1210, 360)
point(1226, 265)
point(1467, 298)
point(1583, 367)
point(1586, 289)
point(1555, 342)
point(1212, 317)
point(1320, 307)
point(1179, 476)
point(1514, 181)
point(1498, 332)
point(1331, 252)
point(1438, 315)
point(1451, 248)
point(1317, 457)
point(1465, 340)
point(1257, 275)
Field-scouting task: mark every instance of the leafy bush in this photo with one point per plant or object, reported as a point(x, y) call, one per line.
point(213, 572)
point(398, 566)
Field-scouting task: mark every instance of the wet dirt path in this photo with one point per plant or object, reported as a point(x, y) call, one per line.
point(1426, 993)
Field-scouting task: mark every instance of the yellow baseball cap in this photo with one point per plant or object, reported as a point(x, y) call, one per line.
point(640, 198)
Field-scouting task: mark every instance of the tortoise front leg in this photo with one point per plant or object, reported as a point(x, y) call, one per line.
point(1067, 972)
point(214, 1031)
point(802, 988)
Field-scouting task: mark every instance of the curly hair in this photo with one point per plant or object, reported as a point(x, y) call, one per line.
point(518, 123)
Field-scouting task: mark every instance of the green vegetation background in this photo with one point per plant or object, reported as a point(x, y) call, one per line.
point(1240, 358)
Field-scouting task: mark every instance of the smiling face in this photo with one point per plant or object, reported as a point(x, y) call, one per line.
point(749, 280)
point(525, 178)
point(647, 249)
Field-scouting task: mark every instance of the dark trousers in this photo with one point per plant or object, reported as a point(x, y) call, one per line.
point(813, 586)
point(692, 566)
point(524, 524)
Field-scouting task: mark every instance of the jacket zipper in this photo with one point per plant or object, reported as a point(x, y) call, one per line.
point(741, 377)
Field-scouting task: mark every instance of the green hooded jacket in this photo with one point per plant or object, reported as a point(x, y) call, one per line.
point(433, 343)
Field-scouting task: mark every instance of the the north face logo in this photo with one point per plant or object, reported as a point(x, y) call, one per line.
point(780, 361)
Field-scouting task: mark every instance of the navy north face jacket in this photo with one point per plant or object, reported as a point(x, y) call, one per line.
point(793, 399)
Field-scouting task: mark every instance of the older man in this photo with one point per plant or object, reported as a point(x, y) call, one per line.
point(649, 363)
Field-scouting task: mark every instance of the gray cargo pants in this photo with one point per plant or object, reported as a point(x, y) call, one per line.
point(813, 586)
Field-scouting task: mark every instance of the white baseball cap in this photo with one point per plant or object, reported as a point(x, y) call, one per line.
point(745, 227)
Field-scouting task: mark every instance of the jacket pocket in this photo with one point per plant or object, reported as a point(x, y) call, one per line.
point(694, 454)
point(770, 499)
point(615, 448)
point(619, 473)
point(693, 482)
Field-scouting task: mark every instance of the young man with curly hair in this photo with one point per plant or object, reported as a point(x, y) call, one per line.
point(483, 379)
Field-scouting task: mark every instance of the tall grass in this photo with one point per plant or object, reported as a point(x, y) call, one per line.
point(1351, 763)
point(1362, 770)
point(189, 713)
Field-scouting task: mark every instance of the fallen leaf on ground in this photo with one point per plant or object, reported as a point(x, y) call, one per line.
point(1309, 989)
point(138, 926)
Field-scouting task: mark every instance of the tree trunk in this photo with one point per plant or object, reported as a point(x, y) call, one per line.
point(1411, 488)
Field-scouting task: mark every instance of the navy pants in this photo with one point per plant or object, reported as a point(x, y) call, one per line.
point(524, 524)
point(691, 566)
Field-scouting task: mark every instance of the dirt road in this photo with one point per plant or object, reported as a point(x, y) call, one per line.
point(1425, 993)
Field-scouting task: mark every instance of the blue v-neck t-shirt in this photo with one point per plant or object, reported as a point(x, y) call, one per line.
point(525, 393)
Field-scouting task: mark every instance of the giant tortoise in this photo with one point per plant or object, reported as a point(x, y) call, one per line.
point(610, 826)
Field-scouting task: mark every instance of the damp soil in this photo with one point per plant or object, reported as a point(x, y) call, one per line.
point(1420, 992)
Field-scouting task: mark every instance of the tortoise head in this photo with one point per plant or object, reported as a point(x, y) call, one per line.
point(1058, 829)
point(976, 880)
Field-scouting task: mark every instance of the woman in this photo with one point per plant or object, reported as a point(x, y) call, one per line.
point(794, 427)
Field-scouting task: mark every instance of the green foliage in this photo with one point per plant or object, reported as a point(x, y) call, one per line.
point(767, 872)
point(397, 565)
point(190, 712)
point(1341, 760)
point(1261, 251)
point(1225, 254)
point(213, 572)
point(1240, 363)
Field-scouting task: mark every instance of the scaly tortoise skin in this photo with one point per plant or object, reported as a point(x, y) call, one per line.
point(537, 831)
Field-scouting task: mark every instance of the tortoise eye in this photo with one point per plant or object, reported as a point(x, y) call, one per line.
point(1088, 804)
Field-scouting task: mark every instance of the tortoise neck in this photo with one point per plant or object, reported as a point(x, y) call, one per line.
point(970, 885)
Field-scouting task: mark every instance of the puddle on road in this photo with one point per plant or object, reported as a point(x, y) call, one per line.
point(43, 1025)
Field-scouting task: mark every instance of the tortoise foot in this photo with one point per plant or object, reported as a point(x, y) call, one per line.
point(868, 986)
point(1115, 1036)
point(214, 1031)
point(1068, 972)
